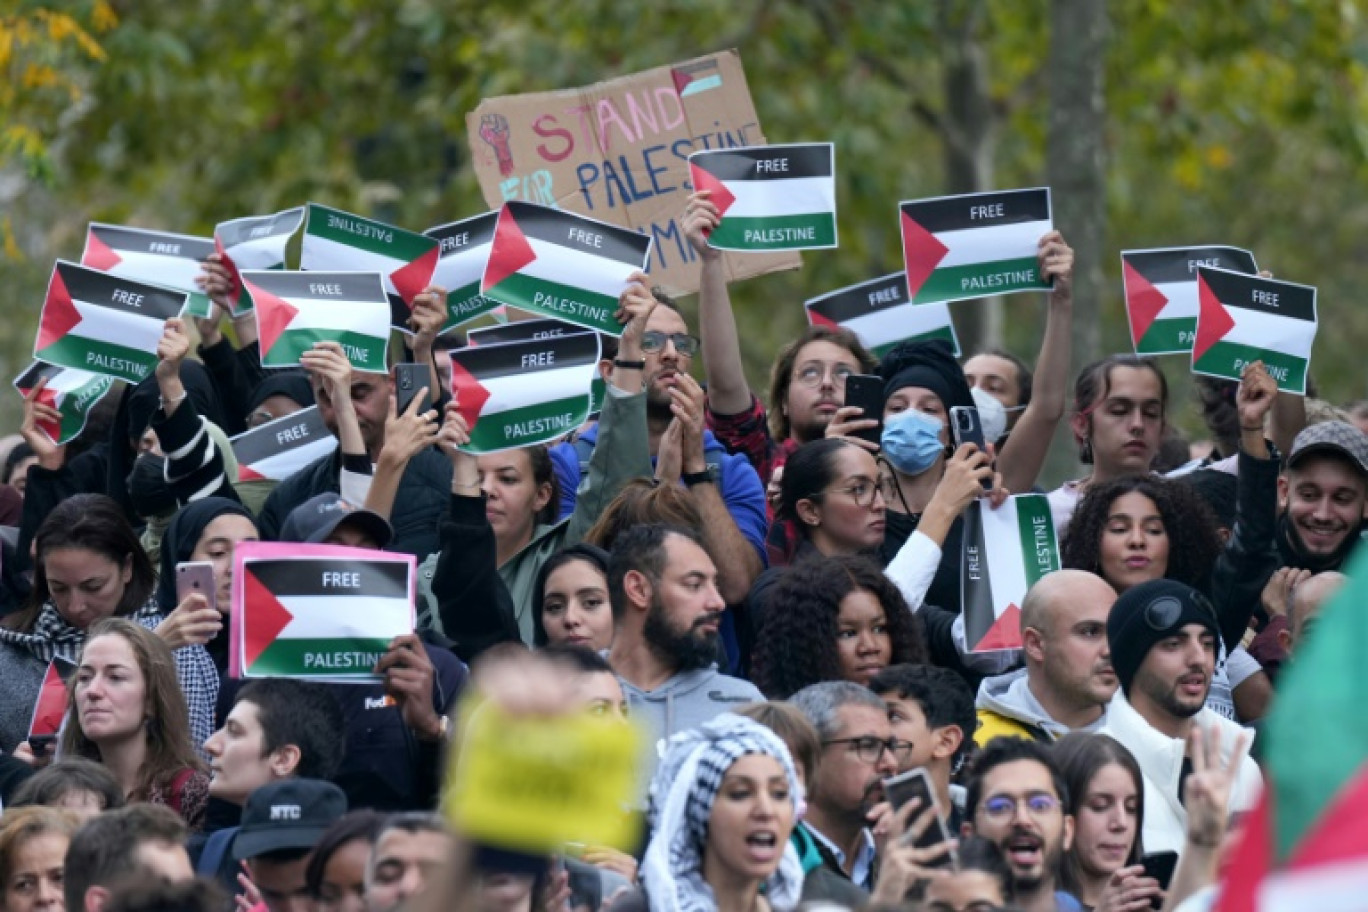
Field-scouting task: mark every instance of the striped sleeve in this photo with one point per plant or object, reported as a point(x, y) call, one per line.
point(194, 463)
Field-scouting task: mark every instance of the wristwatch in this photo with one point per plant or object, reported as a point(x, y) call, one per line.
point(707, 476)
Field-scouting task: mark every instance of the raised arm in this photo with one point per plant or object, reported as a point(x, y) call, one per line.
point(428, 317)
point(194, 462)
point(406, 436)
point(327, 363)
point(728, 392)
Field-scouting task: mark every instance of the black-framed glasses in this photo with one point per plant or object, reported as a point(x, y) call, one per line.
point(653, 341)
point(863, 492)
point(1038, 804)
point(869, 748)
point(1163, 613)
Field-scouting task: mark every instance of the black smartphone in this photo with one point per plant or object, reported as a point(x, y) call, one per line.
point(966, 427)
point(409, 378)
point(1160, 866)
point(916, 783)
point(866, 391)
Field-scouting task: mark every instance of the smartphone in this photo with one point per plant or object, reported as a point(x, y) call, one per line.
point(965, 427)
point(196, 576)
point(1160, 866)
point(916, 783)
point(866, 391)
point(409, 378)
point(586, 887)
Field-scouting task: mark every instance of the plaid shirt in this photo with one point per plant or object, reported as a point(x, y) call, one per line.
point(748, 434)
point(199, 680)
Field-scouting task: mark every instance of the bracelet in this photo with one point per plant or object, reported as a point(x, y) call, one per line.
point(1202, 844)
point(629, 365)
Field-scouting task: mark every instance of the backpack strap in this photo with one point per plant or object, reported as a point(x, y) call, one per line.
point(215, 850)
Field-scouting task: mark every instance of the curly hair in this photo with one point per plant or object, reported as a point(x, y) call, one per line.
point(1194, 543)
point(797, 644)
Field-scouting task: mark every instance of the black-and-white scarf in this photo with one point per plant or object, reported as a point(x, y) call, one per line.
point(52, 636)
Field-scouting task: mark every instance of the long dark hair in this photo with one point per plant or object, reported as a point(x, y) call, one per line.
point(593, 556)
point(808, 472)
point(1080, 756)
point(543, 473)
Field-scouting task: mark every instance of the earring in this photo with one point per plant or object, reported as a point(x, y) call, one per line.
point(1085, 453)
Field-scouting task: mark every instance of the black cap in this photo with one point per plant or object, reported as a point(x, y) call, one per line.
point(1148, 613)
point(290, 814)
point(319, 516)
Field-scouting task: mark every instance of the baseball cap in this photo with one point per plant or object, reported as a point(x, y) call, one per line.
point(319, 516)
point(290, 814)
point(1336, 437)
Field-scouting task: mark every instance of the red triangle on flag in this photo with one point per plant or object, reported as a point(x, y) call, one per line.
point(469, 394)
point(922, 252)
point(681, 80)
point(52, 703)
point(721, 197)
point(53, 429)
point(1213, 320)
point(247, 473)
point(274, 315)
point(263, 616)
point(509, 252)
point(411, 279)
point(60, 315)
point(229, 265)
point(98, 254)
point(816, 318)
point(1143, 300)
point(1005, 632)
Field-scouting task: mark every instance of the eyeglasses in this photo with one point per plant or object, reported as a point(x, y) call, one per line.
point(654, 341)
point(1162, 613)
point(1000, 808)
point(869, 749)
point(813, 374)
point(862, 492)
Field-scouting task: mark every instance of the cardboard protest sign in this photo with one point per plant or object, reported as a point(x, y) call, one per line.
point(255, 242)
point(50, 708)
point(294, 310)
point(1243, 318)
point(880, 313)
point(72, 392)
point(522, 393)
point(465, 247)
point(322, 612)
point(523, 330)
point(277, 449)
point(618, 151)
point(557, 264)
point(1161, 293)
point(336, 241)
point(85, 310)
point(972, 246)
point(155, 257)
point(1005, 552)
point(770, 197)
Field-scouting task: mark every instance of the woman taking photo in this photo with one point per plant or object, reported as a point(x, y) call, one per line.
point(33, 844)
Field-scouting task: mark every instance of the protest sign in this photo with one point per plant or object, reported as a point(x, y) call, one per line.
point(1161, 293)
point(557, 264)
point(522, 393)
point(523, 330)
point(50, 708)
point(618, 151)
point(255, 242)
point(294, 310)
point(972, 246)
point(323, 612)
point(155, 257)
point(336, 241)
point(1244, 318)
point(770, 197)
point(881, 315)
point(277, 449)
point(1005, 552)
point(464, 252)
point(86, 309)
point(72, 392)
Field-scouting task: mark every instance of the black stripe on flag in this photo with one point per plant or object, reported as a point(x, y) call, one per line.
point(291, 432)
point(242, 230)
point(863, 299)
point(1180, 264)
point(976, 588)
point(767, 162)
point(318, 286)
point(35, 372)
point(349, 578)
point(565, 229)
point(523, 331)
point(1284, 299)
point(137, 240)
point(91, 286)
point(458, 236)
point(489, 362)
point(980, 210)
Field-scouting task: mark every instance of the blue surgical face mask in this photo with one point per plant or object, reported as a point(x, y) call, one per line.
point(911, 441)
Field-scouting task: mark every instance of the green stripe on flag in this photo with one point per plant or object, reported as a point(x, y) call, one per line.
point(778, 232)
point(99, 357)
point(1168, 336)
point(320, 657)
point(564, 302)
point(944, 332)
point(979, 280)
point(1227, 359)
point(1039, 551)
point(366, 353)
point(466, 303)
point(198, 306)
point(528, 425)
point(395, 243)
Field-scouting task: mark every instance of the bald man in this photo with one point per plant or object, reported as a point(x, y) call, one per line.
point(1068, 679)
point(1307, 600)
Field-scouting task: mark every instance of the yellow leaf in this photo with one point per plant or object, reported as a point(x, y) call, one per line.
point(1219, 157)
point(102, 17)
point(7, 241)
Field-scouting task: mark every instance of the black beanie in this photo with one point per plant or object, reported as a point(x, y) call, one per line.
point(1130, 636)
point(930, 364)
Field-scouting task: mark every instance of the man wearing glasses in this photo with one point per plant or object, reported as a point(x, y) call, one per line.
point(1016, 798)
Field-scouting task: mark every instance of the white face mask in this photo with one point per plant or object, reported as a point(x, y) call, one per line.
point(992, 416)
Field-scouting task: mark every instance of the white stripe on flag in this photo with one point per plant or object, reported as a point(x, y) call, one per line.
point(281, 465)
point(105, 324)
point(897, 323)
point(1182, 300)
point(370, 318)
point(321, 254)
point(177, 273)
point(796, 196)
point(1002, 541)
point(534, 387)
point(1271, 331)
point(991, 244)
point(1336, 887)
point(259, 253)
point(580, 269)
point(69, 379)
point(329, 616)
point(460, 269)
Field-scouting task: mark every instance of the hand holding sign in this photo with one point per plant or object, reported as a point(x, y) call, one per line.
point(408, 676)
point(700, 219)
point(37, 413)
point(1253, 400)
point(428, 316)
point(1056, 264)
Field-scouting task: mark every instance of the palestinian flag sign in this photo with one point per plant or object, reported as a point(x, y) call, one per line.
point(1161, 293)
point(770, 197)
point(156, 257)
point(322, 612)
point(336, 241)
point(257, 242)
point(86, 309)
point(51, 706)
point(1305, 845)
point(1244, 318)
point(464, 253)
point(296, 309)
point(522, 393)
point(880, 313)
point(521, 330)
point(557, 264)
point(1005, 552)
point(71, 392)
point(976, 245)
point(277, 449)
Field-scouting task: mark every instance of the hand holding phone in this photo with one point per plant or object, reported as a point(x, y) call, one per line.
point(916, 783)
point(865, 391)
point(409, 379)
point(196, 577)
point(966, 427)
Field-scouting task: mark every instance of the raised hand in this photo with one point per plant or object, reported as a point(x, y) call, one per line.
point(193, 623)
point(700, 218)
point(50, 455)
point(849, 419)
point(1255, 396)
point(1056, 261)
point(1128, 890)
point(1206, 791)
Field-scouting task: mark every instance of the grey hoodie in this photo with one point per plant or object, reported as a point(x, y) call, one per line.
point(687, 700)
point(1009, 695)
